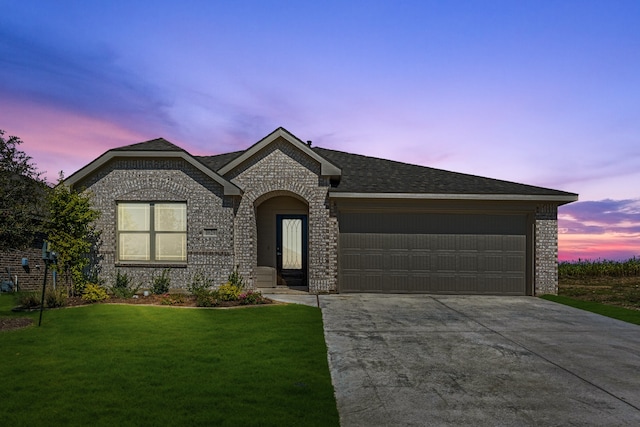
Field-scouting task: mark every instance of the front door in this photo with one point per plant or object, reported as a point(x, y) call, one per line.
point(291, 249)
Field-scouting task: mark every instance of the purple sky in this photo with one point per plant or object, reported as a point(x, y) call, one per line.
point(539, 92)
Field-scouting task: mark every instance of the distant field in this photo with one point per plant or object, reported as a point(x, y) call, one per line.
point(614, 283)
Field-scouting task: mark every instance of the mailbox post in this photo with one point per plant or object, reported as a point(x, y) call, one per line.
point(48, 257)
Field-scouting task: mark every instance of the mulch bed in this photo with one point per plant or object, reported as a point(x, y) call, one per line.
point(11, 323)
point(173, 300)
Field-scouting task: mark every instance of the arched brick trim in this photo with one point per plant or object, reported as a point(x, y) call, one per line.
point(320, 277)
point(283, 169)
point(278, 193)
point(245, 225)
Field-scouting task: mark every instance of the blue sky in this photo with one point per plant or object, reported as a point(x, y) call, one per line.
point(539, 92)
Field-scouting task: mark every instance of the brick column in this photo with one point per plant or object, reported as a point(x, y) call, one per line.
point(546, 259)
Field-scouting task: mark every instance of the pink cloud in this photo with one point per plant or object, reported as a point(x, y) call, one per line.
point(607, 229)
point(600, 246)
point(60, 140)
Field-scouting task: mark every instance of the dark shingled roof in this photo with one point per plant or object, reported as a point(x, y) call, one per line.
point(158, 144)
point(217, 162)
point(362, 174)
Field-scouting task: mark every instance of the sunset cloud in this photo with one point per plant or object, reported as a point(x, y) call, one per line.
point(608, 229)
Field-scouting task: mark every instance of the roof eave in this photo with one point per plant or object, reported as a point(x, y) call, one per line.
point(230, 189)
point(559, 199)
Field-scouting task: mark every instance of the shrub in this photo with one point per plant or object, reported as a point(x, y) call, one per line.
point(228, 292)
point(123, 288)
point(199, 283)
point(206, 298)
point(29, 299)
point(171, 299)
point(94, 293)
point(252, 298)
point(161, 283)
point(55, 297)
point(236, 279)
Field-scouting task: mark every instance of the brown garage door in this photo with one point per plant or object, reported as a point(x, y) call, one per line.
point(433, 253)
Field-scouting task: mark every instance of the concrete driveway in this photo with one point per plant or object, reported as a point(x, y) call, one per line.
point(449, 360)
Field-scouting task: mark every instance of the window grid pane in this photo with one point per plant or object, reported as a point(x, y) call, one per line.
point(171, 247)
point(134, 247)
point(151, 232)
point(170, 217)
point(134, 217)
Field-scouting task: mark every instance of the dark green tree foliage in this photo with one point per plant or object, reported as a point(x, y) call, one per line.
point(71, 232)
point(22, 196)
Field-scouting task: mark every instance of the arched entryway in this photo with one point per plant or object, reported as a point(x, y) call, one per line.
point(282, 239)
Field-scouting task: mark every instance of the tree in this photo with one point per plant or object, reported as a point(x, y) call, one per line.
point(23, 192)
point(71, 232)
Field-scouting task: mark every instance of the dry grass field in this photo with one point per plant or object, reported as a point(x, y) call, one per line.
point(607, 282)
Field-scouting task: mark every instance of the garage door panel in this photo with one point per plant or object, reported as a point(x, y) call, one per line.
point(469, 263)
point(446, 262)
point(466, 264)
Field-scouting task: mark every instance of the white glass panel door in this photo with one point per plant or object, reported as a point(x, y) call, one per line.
point(292, 244)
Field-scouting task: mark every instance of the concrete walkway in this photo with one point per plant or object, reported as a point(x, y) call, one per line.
point(447, 360)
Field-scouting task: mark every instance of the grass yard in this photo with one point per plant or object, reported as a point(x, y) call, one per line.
point(131, 365)
point(620, 313)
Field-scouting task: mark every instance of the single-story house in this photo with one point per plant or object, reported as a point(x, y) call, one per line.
point(286, 213)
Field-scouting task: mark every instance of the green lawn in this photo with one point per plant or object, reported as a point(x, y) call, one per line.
point(625, 314)
point(130, 365)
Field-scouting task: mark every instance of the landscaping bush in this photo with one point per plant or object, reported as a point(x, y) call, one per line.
point(171, 299)
point(162, 283)
point(206, 298)
point(94, 293)
point(236, 279)
point(29, 299)
point(123, 288)
point(228, 292)
point(54, 298)
point(251, 298)
point(199, 283)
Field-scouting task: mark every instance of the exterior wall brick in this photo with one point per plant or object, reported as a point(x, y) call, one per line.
point(281, 169)
point(166, 180)
point(28, 279)
point(546, 247)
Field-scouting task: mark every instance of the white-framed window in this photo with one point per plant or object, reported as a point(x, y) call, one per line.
point(154, 232)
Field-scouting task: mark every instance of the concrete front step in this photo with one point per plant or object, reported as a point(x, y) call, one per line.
point(286, 290)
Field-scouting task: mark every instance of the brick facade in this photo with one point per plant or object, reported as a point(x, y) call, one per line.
point(282, 169)
point(28, 279)
point(546, 250)
point(279, 168)
point(166, 180)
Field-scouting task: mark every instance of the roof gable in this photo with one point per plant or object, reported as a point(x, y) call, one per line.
point(156, 148)
point(326, 167)
point(158, 144)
